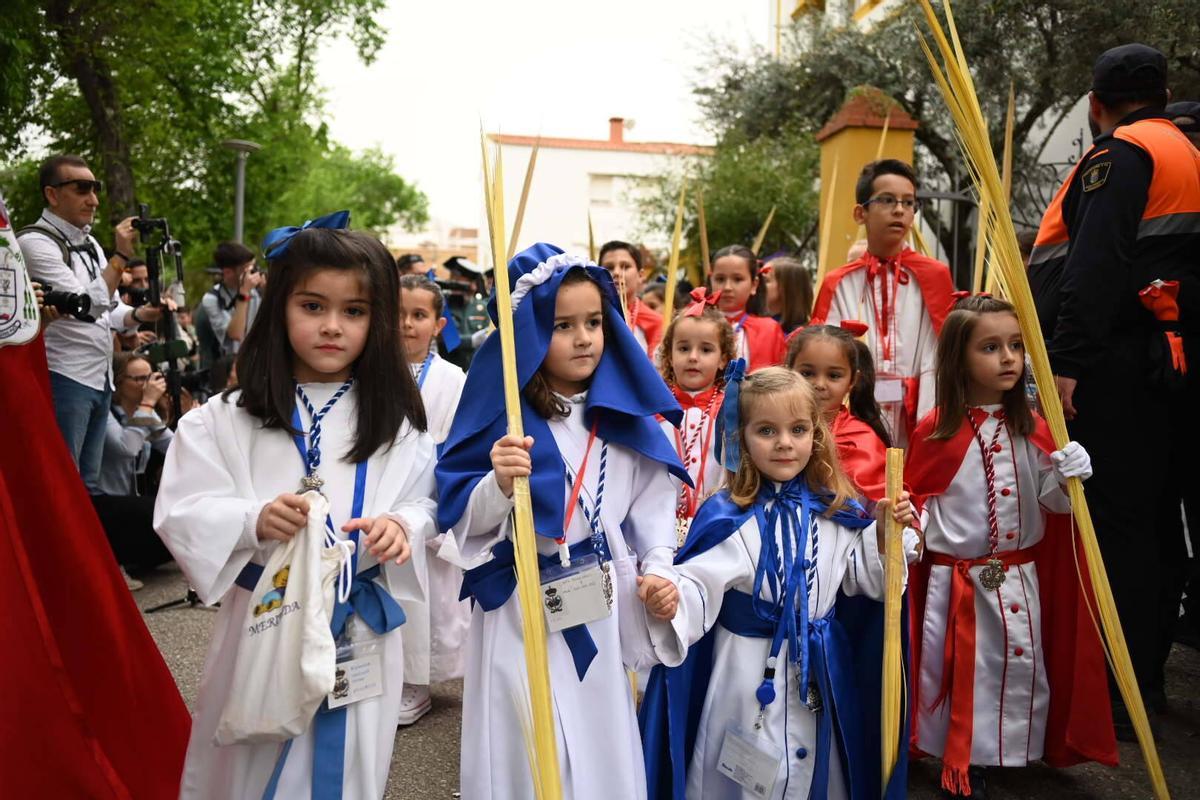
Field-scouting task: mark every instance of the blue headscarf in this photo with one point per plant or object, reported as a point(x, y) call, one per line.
point(626, 392)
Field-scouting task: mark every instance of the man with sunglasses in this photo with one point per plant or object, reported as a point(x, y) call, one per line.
point(60, 250)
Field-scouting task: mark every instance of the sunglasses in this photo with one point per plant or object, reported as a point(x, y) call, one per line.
point(81, 186)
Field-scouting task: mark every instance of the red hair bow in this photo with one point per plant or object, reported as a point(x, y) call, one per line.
point(700, 300)
point(956, 296)
point(854, 327)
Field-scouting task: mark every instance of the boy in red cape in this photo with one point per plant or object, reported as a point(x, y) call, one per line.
point(878, 287)
point(90, 709)
point(624, 261)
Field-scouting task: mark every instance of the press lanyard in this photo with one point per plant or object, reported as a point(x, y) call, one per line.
point(884, 310)
point(86, 249)
point(424, 370)
point(593, 519)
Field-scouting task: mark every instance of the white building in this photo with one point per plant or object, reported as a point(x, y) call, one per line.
point(577, 177)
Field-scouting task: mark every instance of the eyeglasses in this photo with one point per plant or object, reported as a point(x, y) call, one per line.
point(81, 186)
point(888, 202)
point(137, 378)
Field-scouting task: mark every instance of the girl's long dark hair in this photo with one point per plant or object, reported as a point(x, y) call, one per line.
point(862, 371)
point(387, 393)
point(795, 292)
point(756, 301)
point(952, 370)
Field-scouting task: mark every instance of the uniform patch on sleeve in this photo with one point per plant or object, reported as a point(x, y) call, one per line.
point(1095, 175)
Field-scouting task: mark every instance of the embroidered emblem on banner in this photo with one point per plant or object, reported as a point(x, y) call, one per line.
point(1095, 175)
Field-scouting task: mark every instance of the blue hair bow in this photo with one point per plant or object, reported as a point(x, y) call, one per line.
point(275, 244)
point(728, 423)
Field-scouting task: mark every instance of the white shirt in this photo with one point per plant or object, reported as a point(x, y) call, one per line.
point(219, 305)
point(81, 351)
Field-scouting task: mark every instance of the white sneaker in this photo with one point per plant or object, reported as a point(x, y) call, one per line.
point(132, 583)
point(415, 703)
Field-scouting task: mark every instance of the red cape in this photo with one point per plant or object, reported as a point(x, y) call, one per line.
point(90, 709)
point(933, 279)
point(766, 342)
point(650, 322)
point(1079, 721)
point(862, 453)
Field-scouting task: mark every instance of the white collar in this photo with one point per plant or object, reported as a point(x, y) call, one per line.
point(74, 234)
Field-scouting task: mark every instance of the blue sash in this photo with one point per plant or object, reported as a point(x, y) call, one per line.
point(491, 585)
point(830, 668)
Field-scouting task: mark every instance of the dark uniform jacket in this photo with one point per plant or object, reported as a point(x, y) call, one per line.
point(1128, 214)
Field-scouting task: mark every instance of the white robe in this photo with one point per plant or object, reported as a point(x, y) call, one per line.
point(599, 749)
point(1011, 694)
point(914, 346)
point(846, 559)
point(222, 468)
point(436, 630)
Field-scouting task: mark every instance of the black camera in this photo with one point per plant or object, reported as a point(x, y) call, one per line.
point(78, 306)
point(135, 297)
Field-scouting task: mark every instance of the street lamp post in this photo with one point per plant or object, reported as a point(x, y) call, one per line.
point(243, 148)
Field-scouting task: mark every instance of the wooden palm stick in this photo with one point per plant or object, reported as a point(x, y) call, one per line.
point(516, 231)
point(544, 752)
point(673, 261)
point(894, 566)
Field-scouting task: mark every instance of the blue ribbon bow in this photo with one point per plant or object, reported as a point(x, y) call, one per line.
point(275, 244)
point(728, 422)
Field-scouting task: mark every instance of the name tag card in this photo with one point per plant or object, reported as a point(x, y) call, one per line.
point(889, 389)
point(750, 761)
point(357, 679)
point(577, 594)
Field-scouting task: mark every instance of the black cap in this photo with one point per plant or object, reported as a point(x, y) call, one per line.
point(1185, 108)
point(1131, 69)
point(464, 266)
point(408, 259)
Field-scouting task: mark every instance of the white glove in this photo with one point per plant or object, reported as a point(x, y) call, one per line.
point(478, 338)
point(1072, 462)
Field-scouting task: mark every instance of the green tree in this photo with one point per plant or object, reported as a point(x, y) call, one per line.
point(1044, 49)
point(147, 90)
point(741, 182)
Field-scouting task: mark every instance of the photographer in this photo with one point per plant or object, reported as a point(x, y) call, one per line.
point(135, 441)
point(229, 307)
point(66, 259)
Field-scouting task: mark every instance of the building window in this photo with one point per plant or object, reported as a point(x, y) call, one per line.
point(600, 190)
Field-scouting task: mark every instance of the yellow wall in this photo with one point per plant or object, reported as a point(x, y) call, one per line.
point(853, 148)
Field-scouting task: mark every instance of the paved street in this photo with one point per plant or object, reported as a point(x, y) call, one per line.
point(425, 763)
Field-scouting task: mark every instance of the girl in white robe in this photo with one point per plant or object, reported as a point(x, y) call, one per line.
point(589, 398)
point(987, 473)
point(229, 494)
point(698, 345)
point(435, 632)
point(776, 695)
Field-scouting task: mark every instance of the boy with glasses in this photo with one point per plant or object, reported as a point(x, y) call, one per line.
point(60, 251)
point(902, 296)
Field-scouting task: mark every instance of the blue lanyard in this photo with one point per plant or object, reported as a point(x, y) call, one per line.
point(312, 453)
point(360, 478)
point(424, 370)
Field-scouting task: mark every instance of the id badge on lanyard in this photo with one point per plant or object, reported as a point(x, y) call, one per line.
point(750, 759)
point(358, 674)
point(576, 594)
point(578, 591)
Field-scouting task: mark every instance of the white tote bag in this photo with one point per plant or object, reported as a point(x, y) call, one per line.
point(286, 659)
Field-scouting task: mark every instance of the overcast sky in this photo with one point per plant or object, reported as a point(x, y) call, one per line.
point(558, 67)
